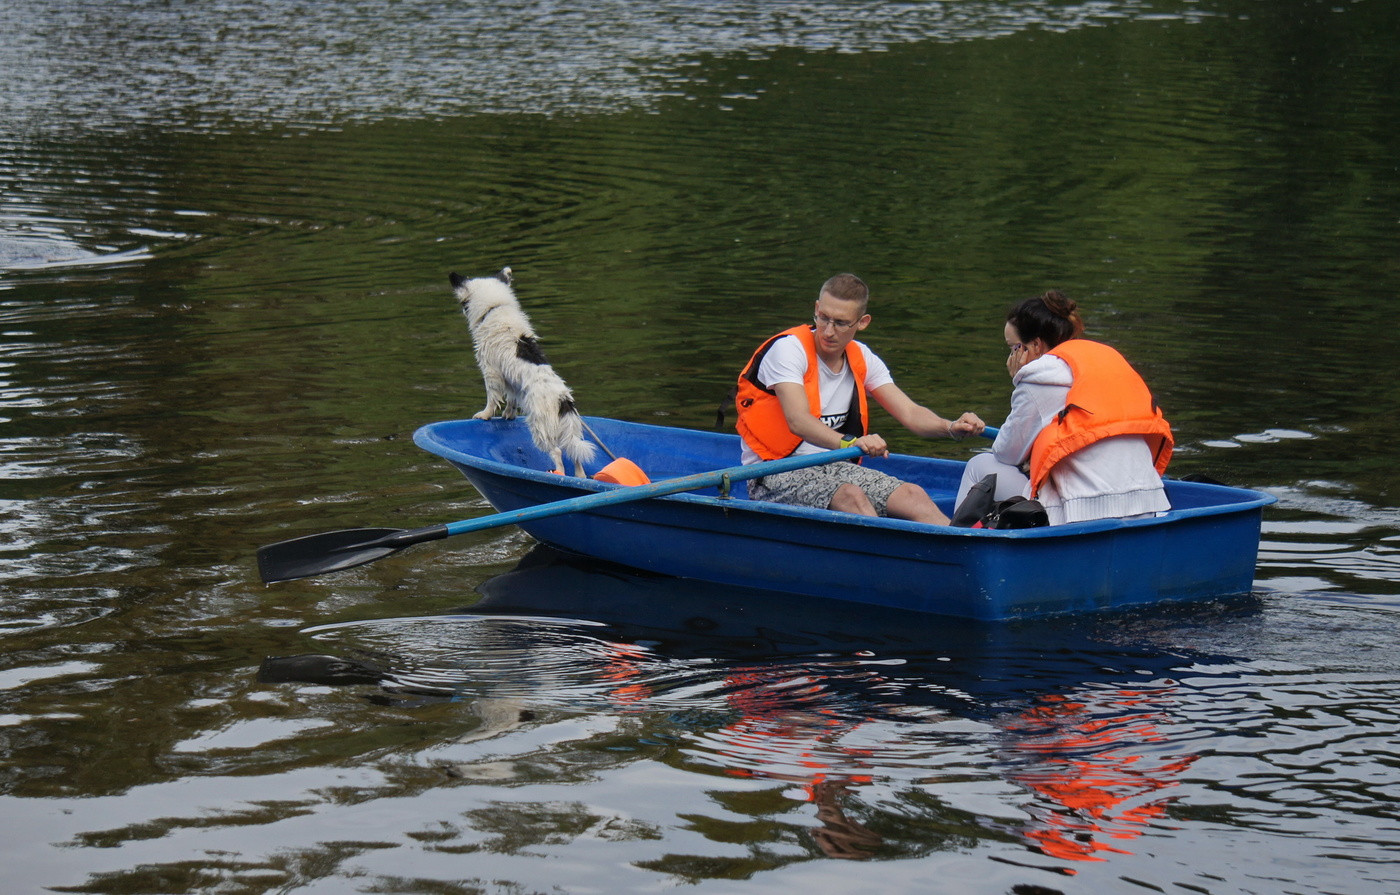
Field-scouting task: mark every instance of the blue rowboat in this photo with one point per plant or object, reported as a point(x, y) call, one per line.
point(1205, 547)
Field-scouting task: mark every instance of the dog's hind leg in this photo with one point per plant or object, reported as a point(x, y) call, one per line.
point(558, 457)
point(578, 452)
point(576, 449)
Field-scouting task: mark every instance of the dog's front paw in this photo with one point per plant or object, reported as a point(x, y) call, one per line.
point(482, 415)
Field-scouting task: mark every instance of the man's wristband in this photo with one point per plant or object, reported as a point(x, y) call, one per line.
point(847, 442)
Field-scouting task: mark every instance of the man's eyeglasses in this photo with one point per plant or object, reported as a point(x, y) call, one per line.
point(822, 321)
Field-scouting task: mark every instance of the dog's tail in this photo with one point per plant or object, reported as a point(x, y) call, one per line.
point(555, 424)
point(577, 448)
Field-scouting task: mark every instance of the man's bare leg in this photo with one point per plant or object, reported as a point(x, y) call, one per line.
point(850, 499)
point(911, 502)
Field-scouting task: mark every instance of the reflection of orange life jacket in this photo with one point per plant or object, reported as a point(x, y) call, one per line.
point(761, 420)
point(1106, 398)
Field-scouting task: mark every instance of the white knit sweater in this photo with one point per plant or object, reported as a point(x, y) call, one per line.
point(1112, 478)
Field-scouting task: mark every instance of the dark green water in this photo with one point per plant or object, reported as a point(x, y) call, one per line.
point(225, 232)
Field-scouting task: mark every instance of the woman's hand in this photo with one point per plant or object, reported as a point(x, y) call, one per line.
point(1022, 354)
point(1016, 359)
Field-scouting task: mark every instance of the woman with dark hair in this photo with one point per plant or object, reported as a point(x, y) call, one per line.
point(1085, 436)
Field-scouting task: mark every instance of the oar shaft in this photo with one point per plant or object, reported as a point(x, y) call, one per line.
point(333, 551)
point(336, 550)
point(654, 489)
point(589, 429)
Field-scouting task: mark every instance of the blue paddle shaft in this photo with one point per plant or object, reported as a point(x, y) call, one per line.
point(654, 489)
point(334, 551)
point(990, 432)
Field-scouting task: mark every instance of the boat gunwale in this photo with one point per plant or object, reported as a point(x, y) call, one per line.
point(427, 438)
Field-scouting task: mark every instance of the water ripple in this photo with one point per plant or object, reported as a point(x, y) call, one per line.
point(124, 64)
point(575, 663)
point(1079, 770)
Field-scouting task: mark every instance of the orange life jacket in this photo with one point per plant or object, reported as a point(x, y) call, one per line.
point(761, 420)
point(1107, 398)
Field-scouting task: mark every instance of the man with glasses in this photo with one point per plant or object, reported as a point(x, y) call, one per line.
point(805, 390)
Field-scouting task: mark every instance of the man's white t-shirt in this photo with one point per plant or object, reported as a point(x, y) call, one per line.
point(786, 361)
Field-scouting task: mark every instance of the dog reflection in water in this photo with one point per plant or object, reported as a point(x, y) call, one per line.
point(498, 715)
point(762, 720)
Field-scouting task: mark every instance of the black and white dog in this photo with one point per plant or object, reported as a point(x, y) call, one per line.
point(516, 372)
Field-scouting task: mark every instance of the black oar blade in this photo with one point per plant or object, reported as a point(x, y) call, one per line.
point(318, 554)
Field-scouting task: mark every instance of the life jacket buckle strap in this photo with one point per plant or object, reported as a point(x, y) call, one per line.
point(1060, 417)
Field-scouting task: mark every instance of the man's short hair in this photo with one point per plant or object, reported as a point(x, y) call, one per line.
point(848, 287)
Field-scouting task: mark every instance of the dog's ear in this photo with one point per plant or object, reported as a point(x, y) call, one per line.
point(456, 280)
point(504, 275)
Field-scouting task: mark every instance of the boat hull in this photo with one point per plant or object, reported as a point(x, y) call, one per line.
point(1204, 548)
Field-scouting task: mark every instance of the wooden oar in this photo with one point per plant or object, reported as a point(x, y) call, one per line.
point(335, 550)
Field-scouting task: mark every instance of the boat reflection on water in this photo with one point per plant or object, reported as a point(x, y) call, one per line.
point(1070, 734)
point(871, 716)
